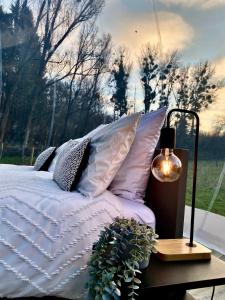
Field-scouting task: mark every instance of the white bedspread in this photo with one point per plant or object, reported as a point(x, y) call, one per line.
point(46, 234)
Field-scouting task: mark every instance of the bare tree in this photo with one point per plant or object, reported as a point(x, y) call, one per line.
point(92, 82)
point(219, 127)
point(89, 62)
point(158, 75)
point(118, 82)
point(56, 21)
point(195, 89)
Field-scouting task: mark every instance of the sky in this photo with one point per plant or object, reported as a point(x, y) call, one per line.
point(195, 27)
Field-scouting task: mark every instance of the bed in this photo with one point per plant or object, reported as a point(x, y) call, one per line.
point(46, 239)
point(50, 232)
point(52, 213)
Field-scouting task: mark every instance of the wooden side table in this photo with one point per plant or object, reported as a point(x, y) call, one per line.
point(170, 280)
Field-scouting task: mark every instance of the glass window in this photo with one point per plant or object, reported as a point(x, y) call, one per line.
point(68, 66)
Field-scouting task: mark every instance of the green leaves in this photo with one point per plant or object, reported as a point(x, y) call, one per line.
point(134, 287)
point(136, 280)
point(116, 257)
point(128, 279)
point(117, 292)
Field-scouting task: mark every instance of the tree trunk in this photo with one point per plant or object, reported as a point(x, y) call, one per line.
point(28, 127)
point(1, 151)
point(192, 126)
point(4, 123)
point(52, 118)
point(65, 124)
point(1, 85)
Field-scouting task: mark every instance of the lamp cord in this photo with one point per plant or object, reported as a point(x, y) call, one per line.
point(213, 291)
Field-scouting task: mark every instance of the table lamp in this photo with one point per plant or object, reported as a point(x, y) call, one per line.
point(167, 167)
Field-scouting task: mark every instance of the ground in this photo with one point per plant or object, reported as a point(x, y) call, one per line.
point(207, 180)
point(15, 160)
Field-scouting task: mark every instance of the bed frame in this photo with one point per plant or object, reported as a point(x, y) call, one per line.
point(167, 200)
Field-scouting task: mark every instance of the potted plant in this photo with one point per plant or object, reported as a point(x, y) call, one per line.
point(117, 258)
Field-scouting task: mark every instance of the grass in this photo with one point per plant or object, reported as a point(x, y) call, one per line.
point(207, 179)
point(208, 175)
point(16, 160)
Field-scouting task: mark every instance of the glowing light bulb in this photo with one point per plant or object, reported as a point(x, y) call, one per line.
point(166, 167)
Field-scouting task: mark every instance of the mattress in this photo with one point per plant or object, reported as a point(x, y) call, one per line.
point(46, 234)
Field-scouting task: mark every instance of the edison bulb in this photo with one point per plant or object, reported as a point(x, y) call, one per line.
point(166, 167)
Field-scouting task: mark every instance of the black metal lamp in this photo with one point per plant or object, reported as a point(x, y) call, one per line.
point(167, 167)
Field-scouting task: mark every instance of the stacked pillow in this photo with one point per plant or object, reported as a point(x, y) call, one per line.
point(108, 149)
point(131, 180)
point(116, 156)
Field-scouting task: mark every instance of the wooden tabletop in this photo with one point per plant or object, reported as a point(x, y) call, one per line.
point(184, 275)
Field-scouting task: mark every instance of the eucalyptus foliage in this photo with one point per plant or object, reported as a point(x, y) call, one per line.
point(116, 257)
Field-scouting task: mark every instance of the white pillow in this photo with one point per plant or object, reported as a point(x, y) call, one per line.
point(108, 149)
point(132, 178)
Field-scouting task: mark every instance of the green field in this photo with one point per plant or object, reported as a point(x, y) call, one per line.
point(17, 160)
point(208, 175)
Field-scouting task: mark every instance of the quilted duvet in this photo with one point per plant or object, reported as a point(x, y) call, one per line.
point(46, 234)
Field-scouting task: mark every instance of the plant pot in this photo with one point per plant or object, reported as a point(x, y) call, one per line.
point(144, 263)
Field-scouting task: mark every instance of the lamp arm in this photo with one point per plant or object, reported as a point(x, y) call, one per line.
point(195, 163)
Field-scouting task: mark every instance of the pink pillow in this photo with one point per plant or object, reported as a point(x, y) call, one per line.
point(130, 182)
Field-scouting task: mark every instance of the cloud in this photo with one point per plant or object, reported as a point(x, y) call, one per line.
point(219, 68)
point(202, 4)
point(133, 31)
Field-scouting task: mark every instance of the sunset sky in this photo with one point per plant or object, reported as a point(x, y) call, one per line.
point(195, 27)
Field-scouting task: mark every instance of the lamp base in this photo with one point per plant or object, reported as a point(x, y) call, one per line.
point(179, 249)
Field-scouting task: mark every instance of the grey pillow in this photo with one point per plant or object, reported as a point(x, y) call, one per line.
point(69, 164)
point(44, 159)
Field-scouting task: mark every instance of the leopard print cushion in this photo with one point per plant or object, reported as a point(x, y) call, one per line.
point(44, 159)
point(68, 166)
